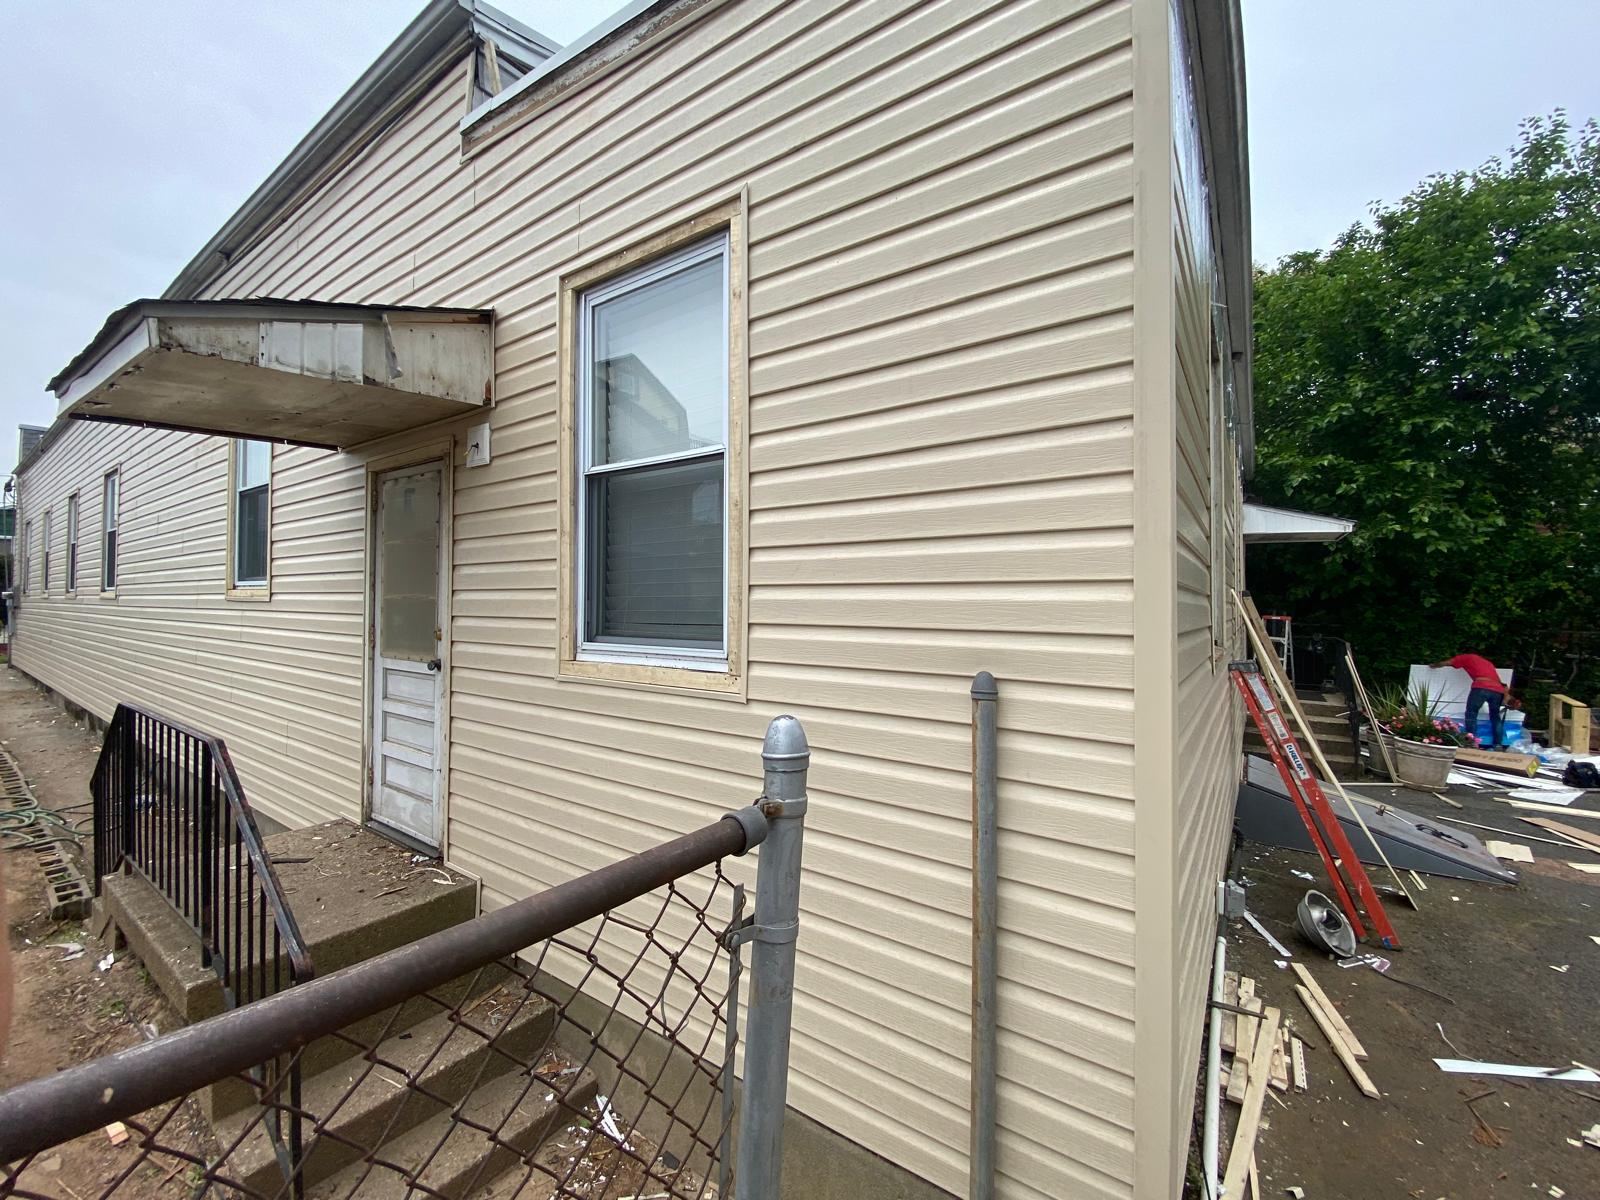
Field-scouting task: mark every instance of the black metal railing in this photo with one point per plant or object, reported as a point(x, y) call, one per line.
point(169, 807)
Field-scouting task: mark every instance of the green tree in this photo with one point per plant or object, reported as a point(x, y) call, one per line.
point(1435, 375)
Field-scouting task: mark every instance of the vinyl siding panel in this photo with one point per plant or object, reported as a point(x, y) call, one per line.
point(940, 340)
point(1209, 717)
point(279, 681)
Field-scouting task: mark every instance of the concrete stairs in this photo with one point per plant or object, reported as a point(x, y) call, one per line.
point(389, 1087)
point(1326, 714)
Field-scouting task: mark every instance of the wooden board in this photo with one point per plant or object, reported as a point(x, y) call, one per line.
point(1336, 1042)
point(1244, 1055)
point(1586, 868)
point(1244, 1137)
point(1332, 1013)
point(1578, 837)
point(1230, 1023)
point(1535, 806)
point(1569, 723)
point(1297, 1063)
point(1500, 760)
point(1280, 1064)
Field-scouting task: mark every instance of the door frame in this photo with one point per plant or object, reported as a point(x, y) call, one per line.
point(441, 452)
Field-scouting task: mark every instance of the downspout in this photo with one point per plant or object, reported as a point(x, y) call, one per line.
point(985, 894)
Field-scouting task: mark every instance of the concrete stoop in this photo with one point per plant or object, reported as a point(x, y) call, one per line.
point(356, 895)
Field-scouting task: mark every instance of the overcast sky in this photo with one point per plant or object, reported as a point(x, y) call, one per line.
point(134, 130)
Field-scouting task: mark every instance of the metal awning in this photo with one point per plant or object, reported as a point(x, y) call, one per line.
point(329, 375)
point(1264, 523)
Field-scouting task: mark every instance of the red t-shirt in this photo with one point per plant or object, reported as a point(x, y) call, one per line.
point(1481, 669)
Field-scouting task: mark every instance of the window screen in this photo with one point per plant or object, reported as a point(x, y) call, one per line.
point(654, 390)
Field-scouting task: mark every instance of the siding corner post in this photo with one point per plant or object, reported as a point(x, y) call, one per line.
point(785, 757)
point(985, 895)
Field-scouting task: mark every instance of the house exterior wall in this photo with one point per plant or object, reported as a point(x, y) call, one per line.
point(939, 204)
point(977, 439)
point(1189, 724)
point(279, 681)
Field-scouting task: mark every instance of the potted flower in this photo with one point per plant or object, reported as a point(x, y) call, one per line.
point(1422, 745)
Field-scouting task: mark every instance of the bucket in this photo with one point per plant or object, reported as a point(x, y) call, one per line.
point(1421, 765)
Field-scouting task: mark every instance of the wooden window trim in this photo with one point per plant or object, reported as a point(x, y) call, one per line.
point(729, 217)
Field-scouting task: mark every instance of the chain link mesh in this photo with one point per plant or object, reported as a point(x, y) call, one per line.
point(591, 1067)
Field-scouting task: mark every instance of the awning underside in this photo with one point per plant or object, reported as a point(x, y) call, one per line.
point(1265, 523)
point(332, 375)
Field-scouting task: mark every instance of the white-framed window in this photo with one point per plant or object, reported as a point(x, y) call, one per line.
point(110, 505)
point(652, 399)
point(44, 555)
point(72, 542)
point(250, 503)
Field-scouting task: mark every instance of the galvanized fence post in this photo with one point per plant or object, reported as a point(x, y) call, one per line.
point(985, 930)
point(785, 757)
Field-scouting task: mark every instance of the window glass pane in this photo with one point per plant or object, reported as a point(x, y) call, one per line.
point(659, 368)
point(408, 567)
point(656, 555)
point(111, 501)
point(250, 537)
point(108, 564)
point(254, 464)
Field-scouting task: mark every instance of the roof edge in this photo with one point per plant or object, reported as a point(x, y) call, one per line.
point(1216, 37)
point(411, 63)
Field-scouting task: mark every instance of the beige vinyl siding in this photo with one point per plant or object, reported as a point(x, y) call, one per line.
point(940, 343)
point(280, 682)
point(1208, 715)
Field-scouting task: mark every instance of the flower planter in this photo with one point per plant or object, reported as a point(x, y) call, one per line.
point(1421, 764)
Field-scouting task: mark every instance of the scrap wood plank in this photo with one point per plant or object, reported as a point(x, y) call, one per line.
point(1297, 1061)
point(1336, 1041)
point(1244, 1135)
point(1230, 1023)
point(1239, 1080)
point(1332, 1013)
point(1280, 1064)
point(1535, 806)
point(1510, 851)
point(1579, 837)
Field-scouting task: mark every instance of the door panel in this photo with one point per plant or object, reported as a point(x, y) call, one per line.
point(407, 670)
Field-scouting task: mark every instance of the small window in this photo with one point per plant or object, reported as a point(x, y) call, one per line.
point(652, 397)
point(72, 542)
point(252, 480)
point(44, 582)
point(27, 557)
point(110, 509)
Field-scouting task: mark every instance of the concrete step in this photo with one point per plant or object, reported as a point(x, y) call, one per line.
point(444, 1062)
point(451, 1158)
point(353, 894)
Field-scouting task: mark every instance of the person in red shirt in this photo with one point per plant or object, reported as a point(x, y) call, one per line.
point(1486, 689)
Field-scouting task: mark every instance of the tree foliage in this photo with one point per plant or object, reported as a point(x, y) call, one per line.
point(1435, 375)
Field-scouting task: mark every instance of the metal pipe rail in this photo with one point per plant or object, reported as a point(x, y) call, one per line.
point(35, 1116)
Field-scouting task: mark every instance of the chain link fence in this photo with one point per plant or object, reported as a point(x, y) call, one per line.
point(580, 1043)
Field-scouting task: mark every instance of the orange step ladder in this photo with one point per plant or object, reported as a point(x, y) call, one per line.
point(1344, 868)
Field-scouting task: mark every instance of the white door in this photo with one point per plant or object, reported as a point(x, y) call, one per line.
point(404, 784)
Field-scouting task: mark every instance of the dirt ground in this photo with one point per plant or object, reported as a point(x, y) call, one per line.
point(68, 1010)
point(1524, 977)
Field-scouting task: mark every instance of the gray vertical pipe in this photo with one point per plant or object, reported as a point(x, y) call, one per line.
point(985, 894)
point(785, 757)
